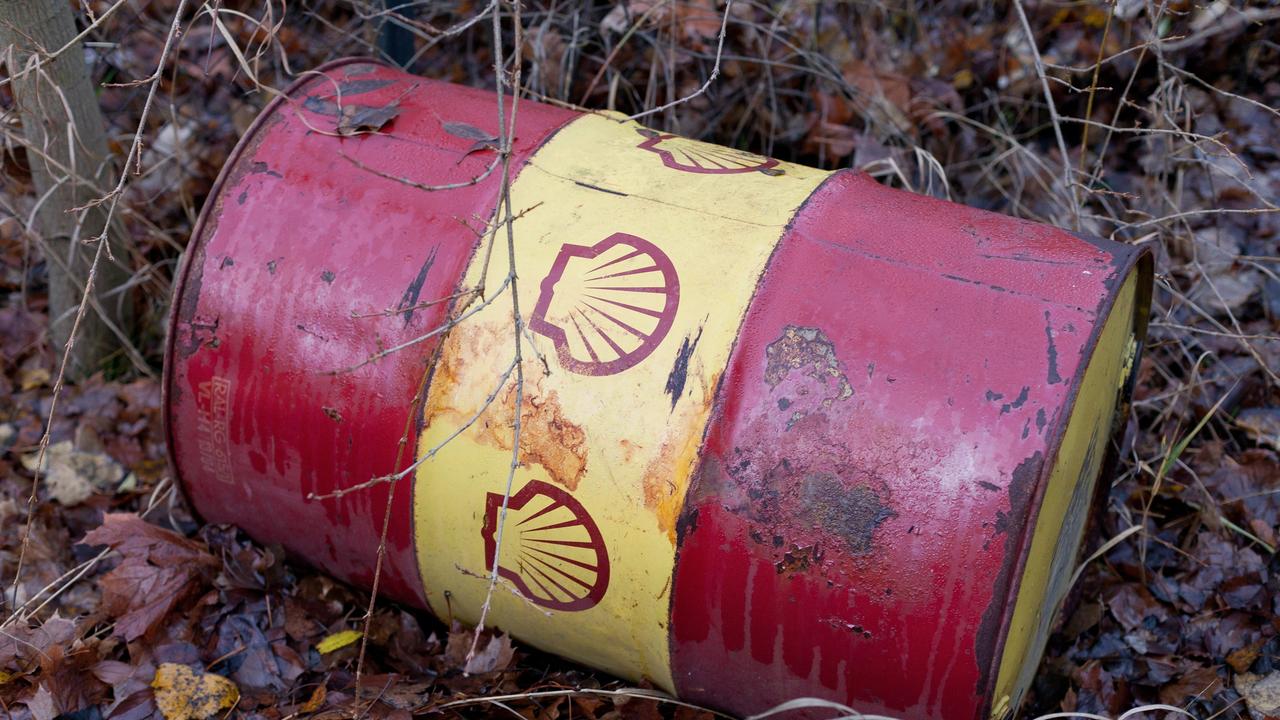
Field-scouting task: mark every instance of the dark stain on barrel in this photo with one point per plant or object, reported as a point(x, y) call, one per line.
point(1041, 420)
point(261, 168)
point(680, 370)
point(852, 514)
point(1018, 401)
point(327, 276)
point(409, 300)
point(1012, 525)
point(226, 263)
point(1054, 377)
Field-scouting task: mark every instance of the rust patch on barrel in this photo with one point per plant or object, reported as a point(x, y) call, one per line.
point(853, 514)
point(810, 351)
point(666, 477)
point(547, 437)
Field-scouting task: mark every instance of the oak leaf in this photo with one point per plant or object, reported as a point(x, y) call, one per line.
point(159, 569)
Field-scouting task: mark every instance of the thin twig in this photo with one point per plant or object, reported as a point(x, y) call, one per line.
point(517, 322)
point(715, 72)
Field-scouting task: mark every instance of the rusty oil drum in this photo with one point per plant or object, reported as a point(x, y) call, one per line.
point(796, 434)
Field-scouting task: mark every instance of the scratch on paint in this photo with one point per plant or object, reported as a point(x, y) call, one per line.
point(680, 371)
point(589, 186)
point(409, 300)
point(1054, 377)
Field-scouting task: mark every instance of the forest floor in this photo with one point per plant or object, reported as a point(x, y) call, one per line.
point(1164, 118)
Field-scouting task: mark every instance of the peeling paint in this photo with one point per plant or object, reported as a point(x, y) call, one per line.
point(1018, 401)
point(1054, 377)
point(680, 370)
point(409, 300)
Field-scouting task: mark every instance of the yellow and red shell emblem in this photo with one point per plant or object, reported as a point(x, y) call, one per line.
point(608, 306)
point(553, 552)
point(692, 156)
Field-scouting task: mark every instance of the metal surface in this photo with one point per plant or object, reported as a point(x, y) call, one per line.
point(796, 433)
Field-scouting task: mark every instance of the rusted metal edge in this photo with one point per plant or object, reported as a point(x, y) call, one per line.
point(195, 251)
point(1125, 259)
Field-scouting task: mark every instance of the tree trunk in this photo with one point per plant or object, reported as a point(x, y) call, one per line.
point(70, 167)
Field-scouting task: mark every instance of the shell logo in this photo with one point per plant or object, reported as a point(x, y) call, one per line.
point(552, 551)
point(607, 307)
point(692, 156)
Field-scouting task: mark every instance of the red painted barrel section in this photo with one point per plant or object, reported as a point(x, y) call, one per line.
point(298, 239)
point(899, 386)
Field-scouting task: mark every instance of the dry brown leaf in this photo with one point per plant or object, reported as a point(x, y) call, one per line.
point(491, 656)
point(73, 476)
point(159, 569)
point(1198, 682)
point(184, 694)
point(363, 119)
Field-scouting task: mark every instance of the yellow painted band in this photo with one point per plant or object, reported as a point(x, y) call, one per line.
point(637, 254)
point(1064, 511)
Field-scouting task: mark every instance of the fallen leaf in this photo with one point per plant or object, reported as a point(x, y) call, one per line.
point(183, 694)
point(21, 644)
point(1241, 659)
point(73, 476)
point(32, 378)
point(1261, 693)
point(1263, 424)
point(1198, 682)
point(495, 656)
point(315, 702)
point(468, 132)
point(41, 704)
point(159, 569)
point(337, 641)
point(363, 119)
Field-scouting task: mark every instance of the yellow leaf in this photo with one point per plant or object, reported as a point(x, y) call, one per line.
point(5, 677)
point(33, 378)
point(314, 702)
point(184, 694)
point(337, 641)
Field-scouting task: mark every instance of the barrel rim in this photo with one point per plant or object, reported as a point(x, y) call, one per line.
point(198, 237)
point(1127, 259)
